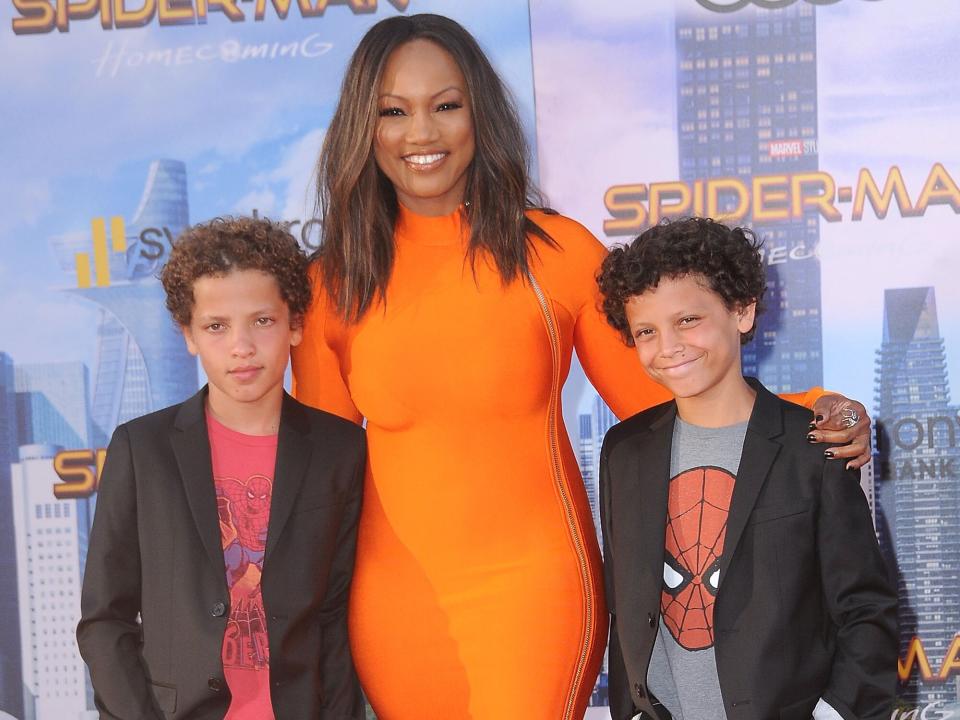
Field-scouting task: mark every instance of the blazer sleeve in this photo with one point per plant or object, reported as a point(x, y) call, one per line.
point(621, 701)
point(317, 377)
point(860, 598)
point(341, 697)
point(108, 633)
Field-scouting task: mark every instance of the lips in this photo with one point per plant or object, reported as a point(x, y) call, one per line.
point(245, 373)
point(679, 368)
point(421, 162)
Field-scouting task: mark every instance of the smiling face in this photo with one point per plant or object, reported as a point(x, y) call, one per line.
point(687, 338)
point(424, 140)
point(240, 328)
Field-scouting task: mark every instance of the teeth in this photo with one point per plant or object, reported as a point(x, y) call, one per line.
point(424, 159)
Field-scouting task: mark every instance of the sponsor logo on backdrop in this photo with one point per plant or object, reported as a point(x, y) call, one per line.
point(43, 16)
point(777, 197)
point(101, 258)
point(154, 243)
point(728, 6)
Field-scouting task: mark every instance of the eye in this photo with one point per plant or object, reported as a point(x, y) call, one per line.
point(215, 327)
point(711, 577)
point(451, 105)
point(671, 578)
point(264, 321)
point(391, 112)
point(689, 320)
point(643, 334)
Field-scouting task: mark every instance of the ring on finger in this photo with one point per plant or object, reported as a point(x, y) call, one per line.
point(850, 417)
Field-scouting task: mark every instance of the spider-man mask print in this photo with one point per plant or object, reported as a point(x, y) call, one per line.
point(697, 510)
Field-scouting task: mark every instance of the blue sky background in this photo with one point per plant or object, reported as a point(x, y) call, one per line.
point(77, 144)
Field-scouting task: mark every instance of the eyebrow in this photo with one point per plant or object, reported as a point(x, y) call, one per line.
point(260, 312)
point(436, 94)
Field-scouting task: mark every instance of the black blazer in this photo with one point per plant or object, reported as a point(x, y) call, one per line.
point(155, 550)
point(804, 608)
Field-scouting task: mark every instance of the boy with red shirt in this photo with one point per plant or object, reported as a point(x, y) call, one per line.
point(227, 523)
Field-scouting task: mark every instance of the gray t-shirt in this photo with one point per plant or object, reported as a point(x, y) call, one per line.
point(683, 667)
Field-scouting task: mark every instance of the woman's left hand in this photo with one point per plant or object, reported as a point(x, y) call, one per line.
point(841, 420)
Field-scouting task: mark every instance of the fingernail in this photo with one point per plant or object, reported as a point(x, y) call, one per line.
point(828, 454)
point(819, 418)
point(812, 426)
point(811, 437)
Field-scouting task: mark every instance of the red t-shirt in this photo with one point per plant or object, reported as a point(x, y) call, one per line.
point(243, 467)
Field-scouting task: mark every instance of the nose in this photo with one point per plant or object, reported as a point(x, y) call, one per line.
point(422, 128)
point(670, 343)
point(242, 345)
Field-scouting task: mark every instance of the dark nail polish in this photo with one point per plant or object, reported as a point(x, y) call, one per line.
point(811, 438)
point(828, 454)
point(819, 418)
point(812, 426)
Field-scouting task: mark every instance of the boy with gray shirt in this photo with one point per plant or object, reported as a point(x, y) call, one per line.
point(742, 573)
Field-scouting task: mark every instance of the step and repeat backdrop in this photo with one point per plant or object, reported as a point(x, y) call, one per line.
point(828, 126)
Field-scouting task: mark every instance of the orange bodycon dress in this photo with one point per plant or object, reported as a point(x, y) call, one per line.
point(477, 592)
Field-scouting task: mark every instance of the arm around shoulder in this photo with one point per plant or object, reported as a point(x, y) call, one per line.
point(108, 633)
point(860, 598)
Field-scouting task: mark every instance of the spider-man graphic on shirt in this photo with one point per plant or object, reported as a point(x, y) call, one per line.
point(244, 510)
point(698, 506)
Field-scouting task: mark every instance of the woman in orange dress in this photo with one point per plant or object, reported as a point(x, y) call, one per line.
point(445, 314)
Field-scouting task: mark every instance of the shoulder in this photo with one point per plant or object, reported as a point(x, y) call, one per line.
point(340, 431)
point(570, 236)
point(633, 426)
point(148, 426)
point(795, 417)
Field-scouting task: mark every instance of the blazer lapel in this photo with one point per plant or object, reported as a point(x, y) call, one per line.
point(639, 510)
point(293, 458)
point(191, 446)
point(759, 452)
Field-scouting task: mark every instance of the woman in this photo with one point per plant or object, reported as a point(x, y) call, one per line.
point(449, 313)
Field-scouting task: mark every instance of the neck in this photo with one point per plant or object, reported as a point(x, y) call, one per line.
point(727, 403)
point(261, 417)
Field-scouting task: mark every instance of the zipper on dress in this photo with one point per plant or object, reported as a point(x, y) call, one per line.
point(565, 499)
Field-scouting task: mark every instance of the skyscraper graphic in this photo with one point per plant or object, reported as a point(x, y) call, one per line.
point(918, 502)
point(53, 409)
point(51, 535)
point(142, 362)
point(53, 404)
point(747, 105)
point(11, 679)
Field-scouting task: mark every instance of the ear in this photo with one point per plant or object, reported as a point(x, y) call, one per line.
point(746, 317)
point(296, 330)
point(188, 336)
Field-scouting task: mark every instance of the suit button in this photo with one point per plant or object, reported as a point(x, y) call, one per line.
point(215, 684)
point(650, 620)
point(218, 609)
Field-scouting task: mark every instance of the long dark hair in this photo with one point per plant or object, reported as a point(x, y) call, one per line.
point(358, 203)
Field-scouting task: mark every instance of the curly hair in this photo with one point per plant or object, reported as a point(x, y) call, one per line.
point(224, 244)
point(728, 258)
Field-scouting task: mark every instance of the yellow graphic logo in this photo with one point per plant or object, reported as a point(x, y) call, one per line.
point(101, 256)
